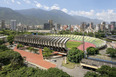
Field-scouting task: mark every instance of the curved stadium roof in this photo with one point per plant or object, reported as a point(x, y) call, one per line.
point(53, 41)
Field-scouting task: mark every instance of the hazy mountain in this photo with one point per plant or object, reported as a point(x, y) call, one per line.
point(39, 16)
point(43, 16)
point(8, 14)
point(85, 19)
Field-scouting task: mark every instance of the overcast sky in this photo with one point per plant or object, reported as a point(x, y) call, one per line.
point(96, 9)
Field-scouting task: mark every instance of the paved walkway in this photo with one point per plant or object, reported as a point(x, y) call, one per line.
point(36, 59)
point(78, 71)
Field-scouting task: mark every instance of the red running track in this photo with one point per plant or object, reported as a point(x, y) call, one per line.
point(86, 45)
point(35, 58)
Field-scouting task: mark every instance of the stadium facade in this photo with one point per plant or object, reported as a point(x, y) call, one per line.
point(53, 42)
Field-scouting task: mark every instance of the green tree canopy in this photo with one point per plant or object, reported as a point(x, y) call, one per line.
point(1, 42)
point(10, 39)
point(92, 51)
point(47, 52)
point(75, 55)
point(104, 71)
point(111, 51)
point(9, 56)
point(3, 47)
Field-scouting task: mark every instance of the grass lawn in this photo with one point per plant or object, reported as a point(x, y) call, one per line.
point(71, 44)
point(69, 64)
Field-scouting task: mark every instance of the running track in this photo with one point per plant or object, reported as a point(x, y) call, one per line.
point(86, 45)
point(35, 58)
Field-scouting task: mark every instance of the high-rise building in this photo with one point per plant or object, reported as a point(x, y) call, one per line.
point(3, 24)
point(97, 27)
point(111, 27)
point(102, 26)
point(83, 26)
point(57, 26)
point(114, 24)
point(46, 26)
point(51, 24)
point(69, 27)
point(13, 24)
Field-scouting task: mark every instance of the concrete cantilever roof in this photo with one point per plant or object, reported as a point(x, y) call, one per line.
point(52, 41)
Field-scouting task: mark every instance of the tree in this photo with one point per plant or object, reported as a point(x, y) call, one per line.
point(1, 42)
point(55, 72)
point(104, 71)
point(23, 71)
point(9, 56)
point(90, 34)
point(47, 52)
point(111, 51)
point(91, 74)
point(10, 39)
point(92, 51)
point(75, 55)
point(3, 47)
point(107, 70)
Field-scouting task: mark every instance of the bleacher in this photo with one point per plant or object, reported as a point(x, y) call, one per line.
point(97, 42)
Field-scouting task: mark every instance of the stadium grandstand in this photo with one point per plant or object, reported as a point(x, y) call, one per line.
point(97, 42)
point(56, 43)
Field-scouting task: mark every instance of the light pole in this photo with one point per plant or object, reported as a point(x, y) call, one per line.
point(83, 27)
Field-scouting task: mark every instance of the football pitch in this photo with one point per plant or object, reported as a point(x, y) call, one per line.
point(71, 44)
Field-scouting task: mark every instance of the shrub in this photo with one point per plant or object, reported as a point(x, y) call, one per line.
point(20, 46)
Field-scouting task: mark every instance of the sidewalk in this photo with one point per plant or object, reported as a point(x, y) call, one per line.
point(36, 59)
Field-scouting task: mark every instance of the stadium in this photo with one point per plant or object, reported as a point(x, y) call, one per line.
point(59, 42)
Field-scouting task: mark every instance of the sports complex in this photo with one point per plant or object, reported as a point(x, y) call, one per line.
point(59, 42)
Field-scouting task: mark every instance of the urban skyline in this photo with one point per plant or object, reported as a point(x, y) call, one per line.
point(96, 9)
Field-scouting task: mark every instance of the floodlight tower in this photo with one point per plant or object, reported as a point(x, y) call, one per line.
point(83, 29)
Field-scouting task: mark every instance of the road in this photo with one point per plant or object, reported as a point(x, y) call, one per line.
point(76, 72)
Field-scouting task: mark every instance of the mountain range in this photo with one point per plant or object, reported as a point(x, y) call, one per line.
point(38, 16)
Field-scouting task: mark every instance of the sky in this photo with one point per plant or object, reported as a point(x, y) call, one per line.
point(94, 9)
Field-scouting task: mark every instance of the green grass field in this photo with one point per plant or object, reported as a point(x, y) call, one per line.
point(68, 64)
point(71, 44)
